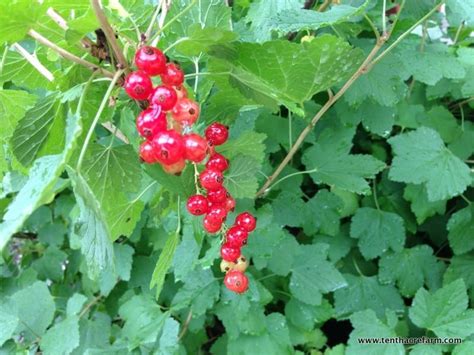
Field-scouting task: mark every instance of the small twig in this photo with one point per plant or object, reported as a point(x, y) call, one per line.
point(96, 118)
point(374, 191)
point(186, 325)
point(384, 17)
point(115, 131)
point(109, 34)
point(324, 5)
point(68, 55)
point(153, 20)
point(57, 18)
point(33, 60)
point(88, 306)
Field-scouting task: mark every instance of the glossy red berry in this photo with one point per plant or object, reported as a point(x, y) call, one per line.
point(151, 60)
point(229, 204)
point(216, 214)
point(195, 147)
point(168, 147)
point(218, 195)
point(176, 168)
point(236, 281)
point(151, 121)
point(218, 162)
point(217, 133)
point(211, 179)
point(185, 111)
point(229, 252)
point(210, 225)
point(173, 75)
point(181, 91)
point(246, 221)
point(197, 205)
point(236, 236)
point(147, 153)
point(138, 85)
point(164, 96)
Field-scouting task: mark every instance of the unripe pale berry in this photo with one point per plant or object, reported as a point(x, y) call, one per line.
point(175, 168)
point(138, 85)
point(242, 264)
point(226, 266)
point(151, 60)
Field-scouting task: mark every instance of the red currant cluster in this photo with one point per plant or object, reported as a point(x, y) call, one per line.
point(164, 145)
point(171, 148)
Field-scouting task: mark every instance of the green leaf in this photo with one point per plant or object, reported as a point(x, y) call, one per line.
point(248, 143)
point(75, 304)
point(114, 174)
point(169, 342)
point(297, 19)
point(461, 230)
point(91, 226)
point(261, 13)
point(420, 205)
point(164, 263)
point(332, 164)
point(377, 231)
point(304, 316)
point(444, 312)
point(33, 131)
point(50, 265)
point(322, 214)
point(143, 320)
point(460, 267)
point(288, 208)
point(463, 9)
point(200, 39)
point(9, 323)
point(367, 325)
point(62, 338)
point(39, 189)
point(241, 180)
point(312, 275)
point(422, 158)
point(13, 105)
point(283, 73)
point(411, 269)
point(366, 293)
point(200, 292)
point(34, 307)
point(182, 184)
point(16, 18)
point(186, 254)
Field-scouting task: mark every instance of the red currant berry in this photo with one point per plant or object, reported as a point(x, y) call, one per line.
point(216, 214)
point(173, 75)
point(229, 204)
point(211, 226)
point(246, 221)
point(197, 205)
point(164, 96)
point(236, 236)
point(138, 85)
point(151, 60)
point(211, 179)
point(147, 153)
point(229, 252)
point(185, 111)
point(236, 281)
point(218, 162)
point(218, 195)
point(217, 133)
point(169, 147)
point(151, 121)
point(181, 92)
point(176, 168)
point(195, 147)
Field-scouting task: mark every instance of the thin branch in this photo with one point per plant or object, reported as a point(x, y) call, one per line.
point(57, 18)
point(33, 60)
point(96, 118)
point(153, 20)
point(109, 34)
point(109, 126)
point(359, 72)
point(68, 55)
point(88, 306)
point(186, 325)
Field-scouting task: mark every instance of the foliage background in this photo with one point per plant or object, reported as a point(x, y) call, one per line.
point(370, 233)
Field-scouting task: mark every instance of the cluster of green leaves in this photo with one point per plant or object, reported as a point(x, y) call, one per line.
point(369, 230)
